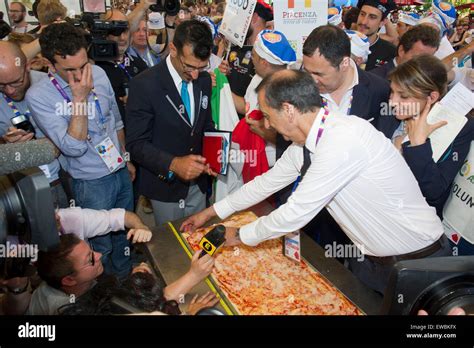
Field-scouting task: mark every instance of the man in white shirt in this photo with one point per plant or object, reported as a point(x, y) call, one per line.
point(349, 168)
point(17, 13)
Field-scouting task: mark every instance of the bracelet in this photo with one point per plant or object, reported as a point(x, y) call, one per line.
point(18, 291)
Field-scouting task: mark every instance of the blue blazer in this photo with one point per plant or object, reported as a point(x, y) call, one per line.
point(157, 132)
point(436, 179)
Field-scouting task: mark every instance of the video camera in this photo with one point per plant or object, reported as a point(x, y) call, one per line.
point(27, 220)
point(97, 30)
point(170, 7)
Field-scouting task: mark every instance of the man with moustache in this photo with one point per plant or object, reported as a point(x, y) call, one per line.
point(372, 16)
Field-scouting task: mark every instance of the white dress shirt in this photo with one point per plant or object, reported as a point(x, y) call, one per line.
point(90, 223)
point(346, 102)
point(178, 81)
point(359, 176)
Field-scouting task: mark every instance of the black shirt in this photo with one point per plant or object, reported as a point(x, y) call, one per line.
point(120, 78)
point(381, 52)
point(242, 69)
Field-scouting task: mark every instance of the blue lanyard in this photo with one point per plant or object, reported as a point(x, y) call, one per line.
point(63, 93)
point(15, 110)
point(121, 66)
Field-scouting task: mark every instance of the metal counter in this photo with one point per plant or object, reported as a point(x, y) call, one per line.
point(169, 260)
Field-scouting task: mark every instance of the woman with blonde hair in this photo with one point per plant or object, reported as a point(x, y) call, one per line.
point(416, 86)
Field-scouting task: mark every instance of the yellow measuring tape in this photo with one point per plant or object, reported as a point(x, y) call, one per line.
point(208, 282)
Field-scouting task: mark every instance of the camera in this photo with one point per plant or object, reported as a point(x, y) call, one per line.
point(435, 285)
point(97, 30)
point(100, 49)
point(27, 220)
point(170, 7)
point(22, 122)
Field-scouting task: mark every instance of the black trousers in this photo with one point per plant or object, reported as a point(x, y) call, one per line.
point(376, 275)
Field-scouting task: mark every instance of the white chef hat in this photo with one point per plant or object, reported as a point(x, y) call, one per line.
point(274, 47)
point(360, 45)
point(410, 18)
point(156, 21)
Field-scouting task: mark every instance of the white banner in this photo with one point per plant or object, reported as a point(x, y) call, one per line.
point(236, 21)
point(297, 19)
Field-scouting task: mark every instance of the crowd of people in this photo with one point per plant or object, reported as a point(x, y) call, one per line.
point(342, 142)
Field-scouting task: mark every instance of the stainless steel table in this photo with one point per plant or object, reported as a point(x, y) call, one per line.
point(169, 260)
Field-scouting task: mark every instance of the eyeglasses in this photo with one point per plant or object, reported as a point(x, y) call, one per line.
point(15, 84)
point(91, 261)
point(189, 68)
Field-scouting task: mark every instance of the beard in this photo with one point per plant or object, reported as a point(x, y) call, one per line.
point(20, 19)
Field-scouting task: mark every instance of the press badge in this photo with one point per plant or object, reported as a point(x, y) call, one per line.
point(292, 246)
point(45, 170)
point(109, 154)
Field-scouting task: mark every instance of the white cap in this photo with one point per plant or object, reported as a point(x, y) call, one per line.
point(360, 45)
point(156, 21)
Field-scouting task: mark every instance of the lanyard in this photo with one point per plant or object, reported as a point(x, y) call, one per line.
point(318, 137)
point(15, 110)
point(102, 119)
point(325, 104)
point(121, 66)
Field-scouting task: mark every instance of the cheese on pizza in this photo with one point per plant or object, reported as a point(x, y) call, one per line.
point(262, 281)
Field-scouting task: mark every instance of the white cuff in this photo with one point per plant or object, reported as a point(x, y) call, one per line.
point(223, 209)
point(117, 219)
point(247, 234)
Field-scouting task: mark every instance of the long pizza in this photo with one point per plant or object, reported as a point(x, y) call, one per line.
point(262, 281)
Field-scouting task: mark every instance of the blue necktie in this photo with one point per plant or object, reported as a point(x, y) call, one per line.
point(185, 98)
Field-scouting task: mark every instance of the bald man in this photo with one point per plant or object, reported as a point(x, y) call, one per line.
point(15, 79)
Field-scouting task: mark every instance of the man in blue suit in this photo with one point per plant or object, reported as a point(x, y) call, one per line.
point(168, 110)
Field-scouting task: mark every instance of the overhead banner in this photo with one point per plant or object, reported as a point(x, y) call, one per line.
point(297, 19)
point(236, 21)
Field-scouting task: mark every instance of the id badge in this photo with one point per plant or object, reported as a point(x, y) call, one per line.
point(45, 170)
point(109, 154)
point(292, 246)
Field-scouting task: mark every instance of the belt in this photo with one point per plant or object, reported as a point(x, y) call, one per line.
point(419, 254)
point(55, 183)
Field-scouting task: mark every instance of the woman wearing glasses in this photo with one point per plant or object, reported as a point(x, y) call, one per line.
point(416, 86)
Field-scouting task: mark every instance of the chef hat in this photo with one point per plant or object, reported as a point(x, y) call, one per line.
point(273, 46)
point(360, 45)
point(156, 21)
point(384, 6)
point(212, 26)
point(410, 18)
point(436, 19)
point(335, 15)
point(445, 10)
point(264, 10)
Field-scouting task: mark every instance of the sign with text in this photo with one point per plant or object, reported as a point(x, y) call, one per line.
point(297, 19)
point(236, 21)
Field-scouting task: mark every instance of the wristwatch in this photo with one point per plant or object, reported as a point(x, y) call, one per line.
point(18, 291)
point(171, 175)
point(237, 234)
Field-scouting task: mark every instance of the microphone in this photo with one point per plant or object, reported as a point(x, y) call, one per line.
point(33, 153)
point(212, 241)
